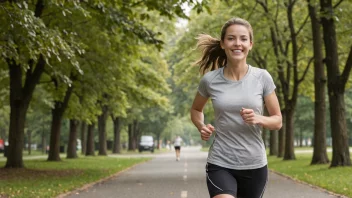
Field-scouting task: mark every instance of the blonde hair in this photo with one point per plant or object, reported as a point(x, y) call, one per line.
point(213, 57)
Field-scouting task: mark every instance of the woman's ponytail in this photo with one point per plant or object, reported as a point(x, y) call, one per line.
point(213, 57)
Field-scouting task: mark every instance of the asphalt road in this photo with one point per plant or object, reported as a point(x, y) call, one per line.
point(164, 177)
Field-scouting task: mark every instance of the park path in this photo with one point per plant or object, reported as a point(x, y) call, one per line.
point(164, 177)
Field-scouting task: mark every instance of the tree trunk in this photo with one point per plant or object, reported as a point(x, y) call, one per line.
point(72, 140)
point(273, 143)
point(289, 138)
point(340, 153)
point(117, 129)
point(20, 98)
point(158, 142)
point(136, 134)
point(319, 141)
point(57, 115)
point(29, 134)
point(336, 88)
point(54, 151)
point(83, 137)
point(16, 136)
point(90, 140)
point(130, 138)
point(102, 130)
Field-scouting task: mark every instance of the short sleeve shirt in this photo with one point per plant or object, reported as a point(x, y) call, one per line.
point(178, 141)
point(237, 145)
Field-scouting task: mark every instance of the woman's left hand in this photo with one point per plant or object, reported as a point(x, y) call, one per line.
point(249, 116)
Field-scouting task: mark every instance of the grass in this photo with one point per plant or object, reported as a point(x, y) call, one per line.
point(337, 180)
point(49, 179)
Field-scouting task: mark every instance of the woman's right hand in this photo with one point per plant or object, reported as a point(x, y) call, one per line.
point(206, 131)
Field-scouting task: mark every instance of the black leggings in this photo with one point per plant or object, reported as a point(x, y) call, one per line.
point(239, 183)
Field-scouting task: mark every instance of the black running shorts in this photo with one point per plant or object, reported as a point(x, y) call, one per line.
point(177, 147)
point(239, 183)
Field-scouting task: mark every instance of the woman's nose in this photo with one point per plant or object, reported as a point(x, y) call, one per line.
point(237, 42)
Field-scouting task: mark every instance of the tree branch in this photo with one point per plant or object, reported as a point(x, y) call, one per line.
point(299, 49)
point(250, 14)
point(347, 70)
point(337, 4)
point(30, 83)
point(303, 24)
point(306, 70)
point(39, 7)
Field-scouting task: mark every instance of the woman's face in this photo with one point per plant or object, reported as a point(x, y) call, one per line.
point(236, 43)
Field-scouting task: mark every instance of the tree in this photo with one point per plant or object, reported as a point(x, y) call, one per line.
point(336, 86)
point(319, 153)
point(30, 45)
point(27, 49)
point(287, 52)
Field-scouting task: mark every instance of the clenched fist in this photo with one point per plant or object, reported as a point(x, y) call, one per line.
point(249, 116)
point(206, 131)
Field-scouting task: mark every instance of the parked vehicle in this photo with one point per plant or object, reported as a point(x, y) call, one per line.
point(2, 146)
point(146, 143)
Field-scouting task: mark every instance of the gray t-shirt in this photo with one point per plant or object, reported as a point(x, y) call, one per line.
point(237, 145)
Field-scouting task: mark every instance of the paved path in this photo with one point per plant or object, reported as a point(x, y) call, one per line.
point(163, 177)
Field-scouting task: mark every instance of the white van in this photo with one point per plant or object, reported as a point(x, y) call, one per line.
point(146, 143)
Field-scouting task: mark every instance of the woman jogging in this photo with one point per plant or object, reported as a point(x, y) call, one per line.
point(237, 163)
point(177, 145)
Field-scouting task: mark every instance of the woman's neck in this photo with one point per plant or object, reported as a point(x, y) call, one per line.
point(236, 71)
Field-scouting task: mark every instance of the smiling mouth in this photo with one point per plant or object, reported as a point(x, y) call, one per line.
point(237, 51)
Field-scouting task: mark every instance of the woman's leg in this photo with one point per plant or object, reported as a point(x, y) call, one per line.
point(177, 151)
point(220, 182)
point(251, 183)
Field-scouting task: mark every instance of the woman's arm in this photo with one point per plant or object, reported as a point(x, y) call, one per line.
point(273, 121)
point(197, 117)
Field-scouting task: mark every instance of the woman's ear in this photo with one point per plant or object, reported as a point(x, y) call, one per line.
point(221, 44)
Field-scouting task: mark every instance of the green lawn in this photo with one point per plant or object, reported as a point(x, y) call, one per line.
point(337, 180)
point(49, 179)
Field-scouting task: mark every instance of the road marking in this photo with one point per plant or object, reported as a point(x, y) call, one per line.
point(185, 177)
point(183, 194)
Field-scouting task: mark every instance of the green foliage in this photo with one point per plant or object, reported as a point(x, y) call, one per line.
point(24, 36)
point(304, 118)
point(348, 102)
point(183, 127)
point(38, 117)
point(4, 121)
